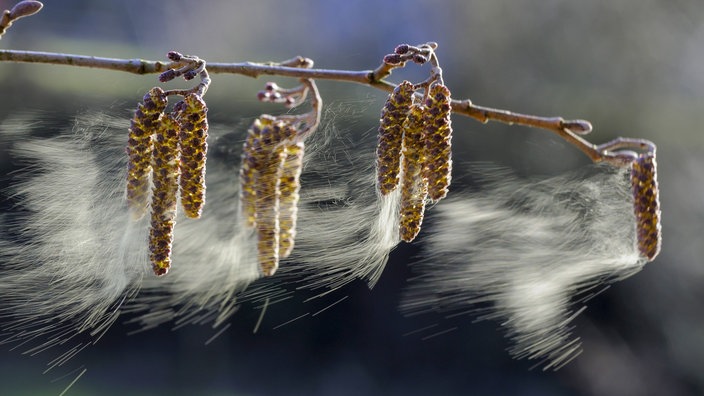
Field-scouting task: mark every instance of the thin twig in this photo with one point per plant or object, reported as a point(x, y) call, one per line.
point(567, 129)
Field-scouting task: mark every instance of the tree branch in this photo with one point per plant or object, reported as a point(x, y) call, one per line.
point(567, 129)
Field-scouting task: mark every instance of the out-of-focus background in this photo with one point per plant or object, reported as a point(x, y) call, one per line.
point(632, 67)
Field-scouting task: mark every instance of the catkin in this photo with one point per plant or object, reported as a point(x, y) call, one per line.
point(165, 165)
point(437, 138)
point(194, 132)
point(270, 174)
point(248, 170)
point(289, 186)
point(414, 189)
point(268, 225)
point(646, 204)
point(265, 134)
point(388, 151)
point(139, 150)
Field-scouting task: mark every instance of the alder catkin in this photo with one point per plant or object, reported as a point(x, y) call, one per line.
point(438, 139)
point(248, 170)
point(265, 134)
point(194, 147)
point(268, 197)
point(388, 151)
point(165, 165)
point(414, 189)
point(646, 204)
point(139, 150)
point(289, 186)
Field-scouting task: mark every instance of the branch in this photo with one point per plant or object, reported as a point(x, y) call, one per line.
point(567, 129)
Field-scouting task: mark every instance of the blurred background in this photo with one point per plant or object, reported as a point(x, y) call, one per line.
point(631, 67)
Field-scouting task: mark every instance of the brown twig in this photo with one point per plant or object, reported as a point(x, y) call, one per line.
point(296, 67)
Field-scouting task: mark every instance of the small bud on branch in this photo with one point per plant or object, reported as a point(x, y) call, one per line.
point(20, 10)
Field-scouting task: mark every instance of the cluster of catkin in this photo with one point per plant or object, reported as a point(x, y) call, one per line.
point(414, 150)
point(272, 160)
point(167, 152)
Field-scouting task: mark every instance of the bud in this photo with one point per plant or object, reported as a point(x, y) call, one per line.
point(25, 8)
point(580, 127)
point(419, 59)
point(174, 56)
point(190, 75)
point(393, 59)
point(414, 188)
point(388, 151)
point(139, 150)
point(194, 132)
point(402, 49)
point(165, 165)
point(438, 142)
point(167, 75)
point(646, 204)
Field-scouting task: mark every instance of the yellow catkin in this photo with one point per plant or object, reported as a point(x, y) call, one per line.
point(289, 186)
point(646, 205)
point(438, 139)
point(388, 150)
point(265, 134)
point(268, 196)
point(248, 170)
point(194, 132)
point(414, 188)
point(139, 150)
point(263, 159)
point(165, 165)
